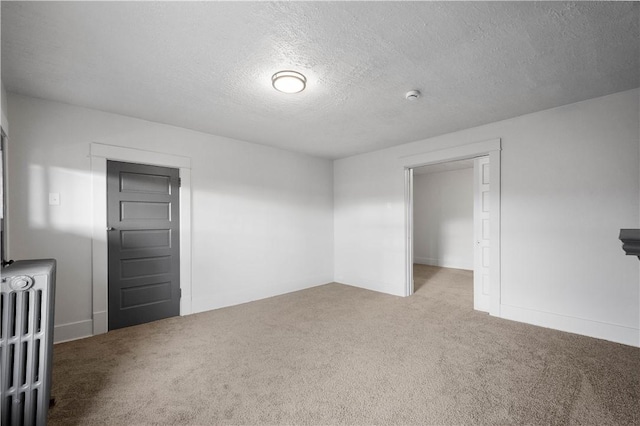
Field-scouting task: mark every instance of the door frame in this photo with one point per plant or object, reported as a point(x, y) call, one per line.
point(4, 240)
point(99, 154)
point(491, 148)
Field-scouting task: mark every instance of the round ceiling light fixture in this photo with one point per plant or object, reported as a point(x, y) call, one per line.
point(289, 81)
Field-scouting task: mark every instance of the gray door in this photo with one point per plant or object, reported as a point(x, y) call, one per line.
point(143, 235)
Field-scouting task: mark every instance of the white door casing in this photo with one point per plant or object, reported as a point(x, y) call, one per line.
point(490, 148)
point(482, 235)
point(99, 154)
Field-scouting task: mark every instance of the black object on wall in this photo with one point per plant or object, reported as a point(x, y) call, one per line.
point(630, 241)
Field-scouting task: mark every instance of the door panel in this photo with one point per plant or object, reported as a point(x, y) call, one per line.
point(144, 295)
point(144, 263)
point(140, 267)
point(481, 216)
point(145, 239)
point(147, 183)
point(144, 210)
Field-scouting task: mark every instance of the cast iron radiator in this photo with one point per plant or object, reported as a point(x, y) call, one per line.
point(26, 341)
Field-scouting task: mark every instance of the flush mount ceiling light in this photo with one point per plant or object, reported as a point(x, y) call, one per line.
point(289, 81)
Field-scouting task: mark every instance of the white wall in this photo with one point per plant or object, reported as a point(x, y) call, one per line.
point(5, 121)
point(443, 219)
point(5, 128)
point(569, 183)
point(262, 218)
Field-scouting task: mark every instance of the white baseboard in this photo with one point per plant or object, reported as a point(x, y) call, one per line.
point(445, 263)
point(250, 295)
point(100, 325)
point(612, 332)
point(425, 261)
point(373, 285)
point(72, 331)
point(88, 328)
point(600, 330)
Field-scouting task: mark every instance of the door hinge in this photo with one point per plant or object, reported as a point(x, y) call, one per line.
point(179, 293)
point(179, 182)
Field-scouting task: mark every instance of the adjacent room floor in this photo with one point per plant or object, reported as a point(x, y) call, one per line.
point(337, 354)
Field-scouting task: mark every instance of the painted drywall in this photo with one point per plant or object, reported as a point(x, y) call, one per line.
point(443, 219)
point(569, 183)
point(5, 121)
point(262, 218)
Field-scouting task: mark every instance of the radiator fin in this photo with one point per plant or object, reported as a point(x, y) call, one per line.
point(2, 308)
point(26, 342)
point(12, 314)
point(38, 311)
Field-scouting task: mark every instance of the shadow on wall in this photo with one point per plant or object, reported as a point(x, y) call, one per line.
point(51, 191)
point(56, 223)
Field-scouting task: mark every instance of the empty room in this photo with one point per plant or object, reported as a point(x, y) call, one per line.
point(320, 213)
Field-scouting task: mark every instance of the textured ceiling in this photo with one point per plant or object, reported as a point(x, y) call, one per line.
point(207, 66)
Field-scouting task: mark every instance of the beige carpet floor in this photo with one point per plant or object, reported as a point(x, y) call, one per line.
point(336, 354)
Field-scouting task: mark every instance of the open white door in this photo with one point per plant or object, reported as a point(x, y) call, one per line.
point(481, 217)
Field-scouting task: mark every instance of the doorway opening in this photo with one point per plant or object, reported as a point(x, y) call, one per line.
point(484, 238)
point(448, 243)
